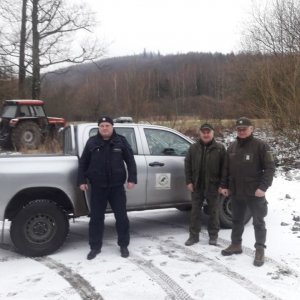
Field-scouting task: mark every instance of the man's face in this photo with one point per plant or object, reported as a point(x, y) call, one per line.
point(206, 135)
point(244, 132)
point(106, 130)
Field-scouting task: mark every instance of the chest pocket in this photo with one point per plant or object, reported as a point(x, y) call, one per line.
point(116, 156)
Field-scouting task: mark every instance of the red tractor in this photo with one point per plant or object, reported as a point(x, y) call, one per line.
point(25, 125)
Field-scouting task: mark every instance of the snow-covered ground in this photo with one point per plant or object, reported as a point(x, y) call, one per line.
point(160, 266)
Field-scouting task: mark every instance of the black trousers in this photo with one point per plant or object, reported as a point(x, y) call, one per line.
point(259, 209)
point(116, 197)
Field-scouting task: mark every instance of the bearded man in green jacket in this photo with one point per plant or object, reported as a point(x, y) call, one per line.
point(203, 170)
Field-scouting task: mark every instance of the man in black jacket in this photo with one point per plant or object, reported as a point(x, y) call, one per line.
point(248, 172)
point(203, 169)
point(102, 164)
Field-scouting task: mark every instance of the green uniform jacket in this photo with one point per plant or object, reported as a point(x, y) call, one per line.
point(211, 166)
point(249, 165)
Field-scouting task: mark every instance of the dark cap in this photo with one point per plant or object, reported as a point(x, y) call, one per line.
point(206, 126)
point(243, 122)
point(105, 119)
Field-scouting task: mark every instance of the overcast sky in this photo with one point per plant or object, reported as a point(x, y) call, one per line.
point(170, 26)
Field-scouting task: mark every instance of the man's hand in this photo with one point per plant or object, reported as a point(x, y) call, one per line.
point(84, 187)
point(130, 185)
point(259, 193)
point(190, 187)
point(225, 192)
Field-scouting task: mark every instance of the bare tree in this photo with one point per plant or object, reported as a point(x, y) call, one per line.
point(48, 30)
point(22, 67)
point(275, 33)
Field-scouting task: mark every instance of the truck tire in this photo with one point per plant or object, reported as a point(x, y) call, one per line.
point(26, 135)
point(39, 229)
point(226, 213)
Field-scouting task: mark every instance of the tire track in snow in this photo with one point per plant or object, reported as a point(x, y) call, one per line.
point(246, 250)
point(87, 292)
point(168, 285)
point(216, 266)
point(79, 284)
point(172, 289)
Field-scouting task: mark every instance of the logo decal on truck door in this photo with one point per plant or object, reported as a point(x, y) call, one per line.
point(163, 181)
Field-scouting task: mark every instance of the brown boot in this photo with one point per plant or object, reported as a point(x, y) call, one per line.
point(232, 249)
point(259, 256)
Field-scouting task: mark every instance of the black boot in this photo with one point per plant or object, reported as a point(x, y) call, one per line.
point(192, 240)
point(124, 252)
point(93, 253)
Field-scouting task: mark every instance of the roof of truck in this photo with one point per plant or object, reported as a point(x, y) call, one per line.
point(25, 102)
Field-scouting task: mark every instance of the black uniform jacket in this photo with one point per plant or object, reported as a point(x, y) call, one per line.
point(249, 165)
point(102, 162)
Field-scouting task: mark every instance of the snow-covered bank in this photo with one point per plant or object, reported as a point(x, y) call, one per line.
point(160, 266)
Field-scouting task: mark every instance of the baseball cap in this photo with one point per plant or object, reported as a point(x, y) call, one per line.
point(243, 122)
point(206, 126)
point(103, 119)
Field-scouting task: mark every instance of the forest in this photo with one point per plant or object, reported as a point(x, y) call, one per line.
point(261, 81)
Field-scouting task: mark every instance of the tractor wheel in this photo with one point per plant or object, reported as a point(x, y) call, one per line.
point(27, 135)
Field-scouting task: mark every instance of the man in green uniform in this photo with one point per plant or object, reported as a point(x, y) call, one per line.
point(248, 172)
point(203, 170)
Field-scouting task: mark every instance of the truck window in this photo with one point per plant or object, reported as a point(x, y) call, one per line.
point(162, 142)
point(128, 133)
point(68, 143)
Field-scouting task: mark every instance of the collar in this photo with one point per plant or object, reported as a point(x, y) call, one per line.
point(245, 140)
point(207, 144)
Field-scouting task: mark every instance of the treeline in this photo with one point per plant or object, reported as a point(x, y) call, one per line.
point(261, 81)
point(194, 85)
point(148, 86)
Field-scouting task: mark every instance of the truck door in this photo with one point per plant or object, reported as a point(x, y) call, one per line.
point(136, 198)
point(165, 165)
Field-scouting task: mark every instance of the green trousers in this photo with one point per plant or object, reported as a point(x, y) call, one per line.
point(213, 225)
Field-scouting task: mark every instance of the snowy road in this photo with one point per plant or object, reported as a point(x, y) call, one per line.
point(160, 266)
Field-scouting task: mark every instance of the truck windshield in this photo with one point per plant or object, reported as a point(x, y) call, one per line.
point(9, 111)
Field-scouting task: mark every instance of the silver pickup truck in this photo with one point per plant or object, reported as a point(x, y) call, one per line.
point(39, 193)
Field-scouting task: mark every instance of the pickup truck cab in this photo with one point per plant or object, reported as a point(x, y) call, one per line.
point(39, 193)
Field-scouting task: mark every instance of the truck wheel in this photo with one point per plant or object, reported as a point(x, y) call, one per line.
point(226, 213)
point(40, 228)
point(26, 135)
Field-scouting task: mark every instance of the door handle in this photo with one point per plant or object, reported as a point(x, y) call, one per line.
point(156, 164)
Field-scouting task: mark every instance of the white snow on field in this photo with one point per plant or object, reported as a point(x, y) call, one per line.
point(160, 266)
